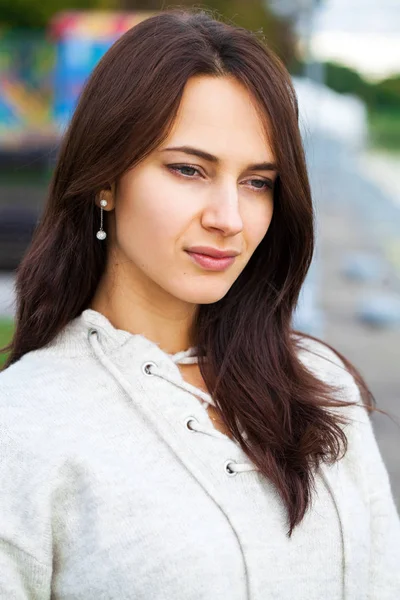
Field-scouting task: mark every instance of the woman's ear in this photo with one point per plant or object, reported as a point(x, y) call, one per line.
point(108, 195)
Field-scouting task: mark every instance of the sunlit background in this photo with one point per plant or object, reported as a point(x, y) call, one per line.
point(344, 56)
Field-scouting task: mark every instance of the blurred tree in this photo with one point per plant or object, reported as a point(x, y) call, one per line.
point(387, 93)
point(379, 95)
point(345, 80)
point(252, 14)
point(140, 4)
point(33, 15)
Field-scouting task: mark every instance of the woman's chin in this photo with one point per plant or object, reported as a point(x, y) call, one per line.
point(207, 295)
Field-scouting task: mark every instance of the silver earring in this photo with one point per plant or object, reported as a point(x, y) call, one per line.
point(101, 235)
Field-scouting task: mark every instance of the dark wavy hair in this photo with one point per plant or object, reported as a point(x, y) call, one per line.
point(253, 370)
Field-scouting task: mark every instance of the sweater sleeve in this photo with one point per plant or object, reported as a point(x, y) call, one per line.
point(25, 571)
point(384, 560)
point(384, 557)
point(21, 576)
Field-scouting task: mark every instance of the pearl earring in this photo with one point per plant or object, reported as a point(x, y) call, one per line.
point(101, 235)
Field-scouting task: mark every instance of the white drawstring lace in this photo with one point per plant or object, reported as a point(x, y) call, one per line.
point(189, 356)
point(150, 368)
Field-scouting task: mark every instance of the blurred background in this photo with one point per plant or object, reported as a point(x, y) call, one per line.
point(344, 57)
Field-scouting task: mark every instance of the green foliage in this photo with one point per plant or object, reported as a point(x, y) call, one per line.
point(386, 94)
point(381, 95)
point(251, 14)
point(384, 126)
point(6, 332)
point(382, 99)
point(346, 81)
point(36, 14)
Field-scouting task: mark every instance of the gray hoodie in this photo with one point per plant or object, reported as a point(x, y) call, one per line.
point(114, 484)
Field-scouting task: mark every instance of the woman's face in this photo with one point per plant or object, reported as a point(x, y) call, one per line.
point(217, 192)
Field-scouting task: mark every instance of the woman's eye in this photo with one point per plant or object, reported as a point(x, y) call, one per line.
point(189, 172)
point(262, 184)
point(185, 170)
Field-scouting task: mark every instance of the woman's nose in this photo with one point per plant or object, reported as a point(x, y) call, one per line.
point(222, 210)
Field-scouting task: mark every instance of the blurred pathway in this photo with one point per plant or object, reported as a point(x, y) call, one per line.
point(6, 294)
point(354, 215)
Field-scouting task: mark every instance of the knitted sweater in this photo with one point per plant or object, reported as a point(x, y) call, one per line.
point(114, 484)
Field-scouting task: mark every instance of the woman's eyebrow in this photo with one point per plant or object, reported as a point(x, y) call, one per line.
point(263, 166)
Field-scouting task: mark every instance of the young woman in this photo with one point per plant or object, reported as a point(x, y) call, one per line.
point(164, 431)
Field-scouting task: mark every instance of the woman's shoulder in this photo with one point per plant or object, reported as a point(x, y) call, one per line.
point(327, 365)
point(35, 371)
point(316, 351)
point(40, 392)
point(363, 457)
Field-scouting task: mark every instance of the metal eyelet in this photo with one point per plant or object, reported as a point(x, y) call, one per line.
point(188, 420)
point(146, 367)
point(228, 471)
point(91, 330)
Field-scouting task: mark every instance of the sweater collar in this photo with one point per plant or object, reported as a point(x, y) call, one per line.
point(72, 341)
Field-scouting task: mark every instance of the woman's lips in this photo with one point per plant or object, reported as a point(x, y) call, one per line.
point(210, 263)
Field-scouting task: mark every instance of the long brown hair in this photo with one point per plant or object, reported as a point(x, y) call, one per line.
point(252, 370)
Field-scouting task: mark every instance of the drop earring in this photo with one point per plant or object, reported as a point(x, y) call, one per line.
point(101, 235)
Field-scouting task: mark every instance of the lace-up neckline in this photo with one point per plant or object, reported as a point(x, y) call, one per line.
point(150, 368)
point(189, 357)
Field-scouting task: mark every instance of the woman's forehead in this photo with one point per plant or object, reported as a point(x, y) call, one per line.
point(218, 115)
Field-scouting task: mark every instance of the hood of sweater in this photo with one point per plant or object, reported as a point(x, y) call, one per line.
point(72, 341)
point(92, 333)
